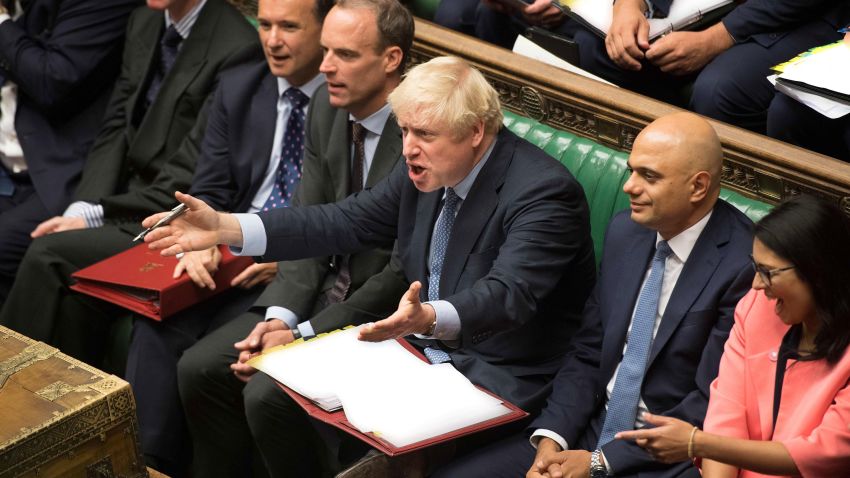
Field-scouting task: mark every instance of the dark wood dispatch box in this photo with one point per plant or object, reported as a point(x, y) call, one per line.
point(62, 418)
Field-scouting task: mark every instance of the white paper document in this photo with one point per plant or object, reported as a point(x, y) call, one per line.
point(382, 387)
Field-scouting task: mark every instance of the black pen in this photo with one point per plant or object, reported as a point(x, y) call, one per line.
point(176, 212)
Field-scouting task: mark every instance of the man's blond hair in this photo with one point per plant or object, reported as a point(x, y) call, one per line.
point(449, 92)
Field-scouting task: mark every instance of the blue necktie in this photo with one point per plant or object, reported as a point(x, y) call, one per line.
point(442, 234)
point(168, 49)
point(7, 186)
point(622, 407)
point(292, 153)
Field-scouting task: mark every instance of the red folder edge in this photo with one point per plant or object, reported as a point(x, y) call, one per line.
point(339, 420)
point(174, 294)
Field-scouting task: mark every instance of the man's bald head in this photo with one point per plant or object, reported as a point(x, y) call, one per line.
point(690, 143)
point(676, 162)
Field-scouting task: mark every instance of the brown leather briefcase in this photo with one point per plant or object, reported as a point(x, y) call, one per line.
point(62, 418)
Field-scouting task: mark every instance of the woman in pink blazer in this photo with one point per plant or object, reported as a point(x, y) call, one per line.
point(781, 402)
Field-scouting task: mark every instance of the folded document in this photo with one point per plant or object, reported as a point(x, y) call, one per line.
point(384, 389)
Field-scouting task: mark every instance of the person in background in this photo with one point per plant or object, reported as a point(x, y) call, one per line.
point(58, 63)
point(780, 403)
point(173, 53)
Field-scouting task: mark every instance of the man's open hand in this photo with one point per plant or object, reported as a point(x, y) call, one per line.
point(412, 317)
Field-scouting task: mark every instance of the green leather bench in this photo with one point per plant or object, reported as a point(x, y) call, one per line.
point(601, 172)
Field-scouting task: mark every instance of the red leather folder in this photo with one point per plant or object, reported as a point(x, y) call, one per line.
point(338, 419)
point(141, 280)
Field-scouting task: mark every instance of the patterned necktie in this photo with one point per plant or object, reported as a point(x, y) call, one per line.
point(342, 284)
point(442, 233)
point(292, 153)
point(168, 49)
point(622, 407)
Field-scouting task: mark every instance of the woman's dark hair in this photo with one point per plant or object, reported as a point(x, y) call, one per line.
point(814, 236)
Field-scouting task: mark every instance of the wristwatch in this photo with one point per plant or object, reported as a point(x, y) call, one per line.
point(597, 468)
point(296, 334)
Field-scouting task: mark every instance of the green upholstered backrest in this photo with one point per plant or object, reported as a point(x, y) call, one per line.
point(423, 8)
point(601, 172)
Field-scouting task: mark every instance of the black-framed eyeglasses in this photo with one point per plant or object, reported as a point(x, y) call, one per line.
point(766, 274)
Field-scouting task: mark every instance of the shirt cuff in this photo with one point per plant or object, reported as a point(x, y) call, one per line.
point(542, 432)
point(306, 329)
point(607, 465)
point(253, 236)
point(284, 314)
point(91, 213)
point(448, 321)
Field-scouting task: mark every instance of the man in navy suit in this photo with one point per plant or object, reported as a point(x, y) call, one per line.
point(58, 61)
point(729, 60)
point(674, 189)
point(241, 150)
point(492, 233)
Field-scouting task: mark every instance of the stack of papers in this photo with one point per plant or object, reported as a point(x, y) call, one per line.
point(683, 15)
point(383, 387)
point(818, 78)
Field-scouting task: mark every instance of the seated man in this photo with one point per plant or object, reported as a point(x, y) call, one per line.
point(58, 62)
point(352, 142)
point(498, 21)
point(793, 122)
point(673, 269)
point(491, 231)
point(139, 157)
point(796, 123)
point(250, 159)
point(729, 61)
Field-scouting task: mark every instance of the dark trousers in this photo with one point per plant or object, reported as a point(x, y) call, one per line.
point(40, 304)
point(19, 215)
point(796, 123)
point(155, 348)
point(733, 87)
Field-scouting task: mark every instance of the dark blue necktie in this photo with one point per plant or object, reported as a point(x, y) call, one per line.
point(442, 234)
point(292, 153)
point(622, 407)
point(7, 186)
point(168, 49)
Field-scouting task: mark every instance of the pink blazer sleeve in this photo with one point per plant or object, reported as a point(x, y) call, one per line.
point(727, 411)
point(822, 448)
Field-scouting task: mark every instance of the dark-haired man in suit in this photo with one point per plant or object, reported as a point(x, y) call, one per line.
point(58, 62)
point(352, 142)
point(172, 56)
point(251, 152)
point(673, 269)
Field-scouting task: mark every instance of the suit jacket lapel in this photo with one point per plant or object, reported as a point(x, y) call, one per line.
point(263, 114)
point(701, 264)
point(188, 64)
point(339, 155)
point(147, 45)
point(475, 212)
point(426, 213)
point(633, 270)
point(386, 154)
